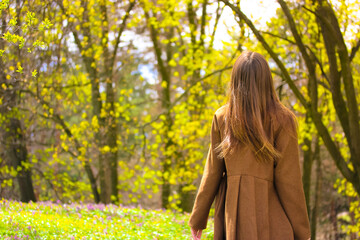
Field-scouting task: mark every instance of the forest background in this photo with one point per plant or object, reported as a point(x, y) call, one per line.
point(111, 101)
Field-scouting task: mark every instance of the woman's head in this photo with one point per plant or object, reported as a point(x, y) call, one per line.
point(252, 103)
point(251, 83)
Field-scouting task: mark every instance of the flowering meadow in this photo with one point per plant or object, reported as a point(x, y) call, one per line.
point(47, 220)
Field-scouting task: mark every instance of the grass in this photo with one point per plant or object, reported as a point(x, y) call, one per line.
point(47, 220)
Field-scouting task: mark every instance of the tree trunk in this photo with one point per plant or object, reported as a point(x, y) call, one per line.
point(333, 219)
point(187, 199)
point(90, 65)
point(307, 167)
point(164, 71)
point(111, 131)
point(17, 155)
point(88, 62)
point(165, 188)
point(197, 31)
point(315, 210)
point(340, 72)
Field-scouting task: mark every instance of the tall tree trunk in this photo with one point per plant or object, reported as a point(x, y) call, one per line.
point(347, 111)
point(333, 219)
point(88, 62)
point(307, 167)
point(18, 157)
point(90, 65)
point(197, 32)
point(164, 71)
point(165, 188)
point(168, 161)
point(315, 209)
point(111, 131)
point(187, 199)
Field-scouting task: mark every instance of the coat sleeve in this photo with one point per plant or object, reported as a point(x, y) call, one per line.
point(288, 181)
point(210, 181)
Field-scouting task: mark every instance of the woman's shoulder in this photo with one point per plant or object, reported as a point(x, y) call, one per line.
point(220, 115)
point(221, 111)
point(286, 119)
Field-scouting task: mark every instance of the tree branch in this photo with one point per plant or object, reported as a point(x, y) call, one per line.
point(273, 55)
point(354, 50)
point(335, 43)
point(121, 30)
point(323, 73)
point(203, 22)
point(58, 119)
point(219, 11)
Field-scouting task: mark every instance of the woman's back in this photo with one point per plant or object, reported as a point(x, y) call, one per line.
point(264, 195)
point(242, 160)
point(253, 207)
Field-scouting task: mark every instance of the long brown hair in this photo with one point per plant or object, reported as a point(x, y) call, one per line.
point(252, 106)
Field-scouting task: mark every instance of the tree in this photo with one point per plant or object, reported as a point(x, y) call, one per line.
point(91, 35)
point(20, 30)
point(186, 67)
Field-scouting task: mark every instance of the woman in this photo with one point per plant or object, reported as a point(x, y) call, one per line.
point(254, 142)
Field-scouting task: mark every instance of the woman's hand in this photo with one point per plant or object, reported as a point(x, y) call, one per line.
point(196, 234)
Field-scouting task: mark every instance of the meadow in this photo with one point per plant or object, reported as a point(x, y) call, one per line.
point(48, 220)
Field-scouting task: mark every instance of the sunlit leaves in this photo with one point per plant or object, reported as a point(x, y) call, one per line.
point(34, 73)
point(30, 18)
point(4, 4)
point(46, 24)
point(14, 39)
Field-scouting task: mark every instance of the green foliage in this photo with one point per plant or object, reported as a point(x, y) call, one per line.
point(351, 221)
point(20, 42)
point(46, 220)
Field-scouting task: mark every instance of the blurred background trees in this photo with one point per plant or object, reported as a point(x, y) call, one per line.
point(111, 101)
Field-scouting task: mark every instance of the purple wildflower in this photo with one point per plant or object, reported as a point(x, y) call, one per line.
point(101, 206)
point(90, 207)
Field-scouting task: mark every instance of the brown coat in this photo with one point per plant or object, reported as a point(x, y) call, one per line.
point(263, 201)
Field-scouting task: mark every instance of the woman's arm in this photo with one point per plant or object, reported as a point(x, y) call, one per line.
point(213, 172)
point(288, 182)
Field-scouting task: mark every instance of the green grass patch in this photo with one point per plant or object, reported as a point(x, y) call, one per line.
point(46, 220)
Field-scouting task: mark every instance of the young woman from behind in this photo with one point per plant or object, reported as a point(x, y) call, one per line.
point(254, 150)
